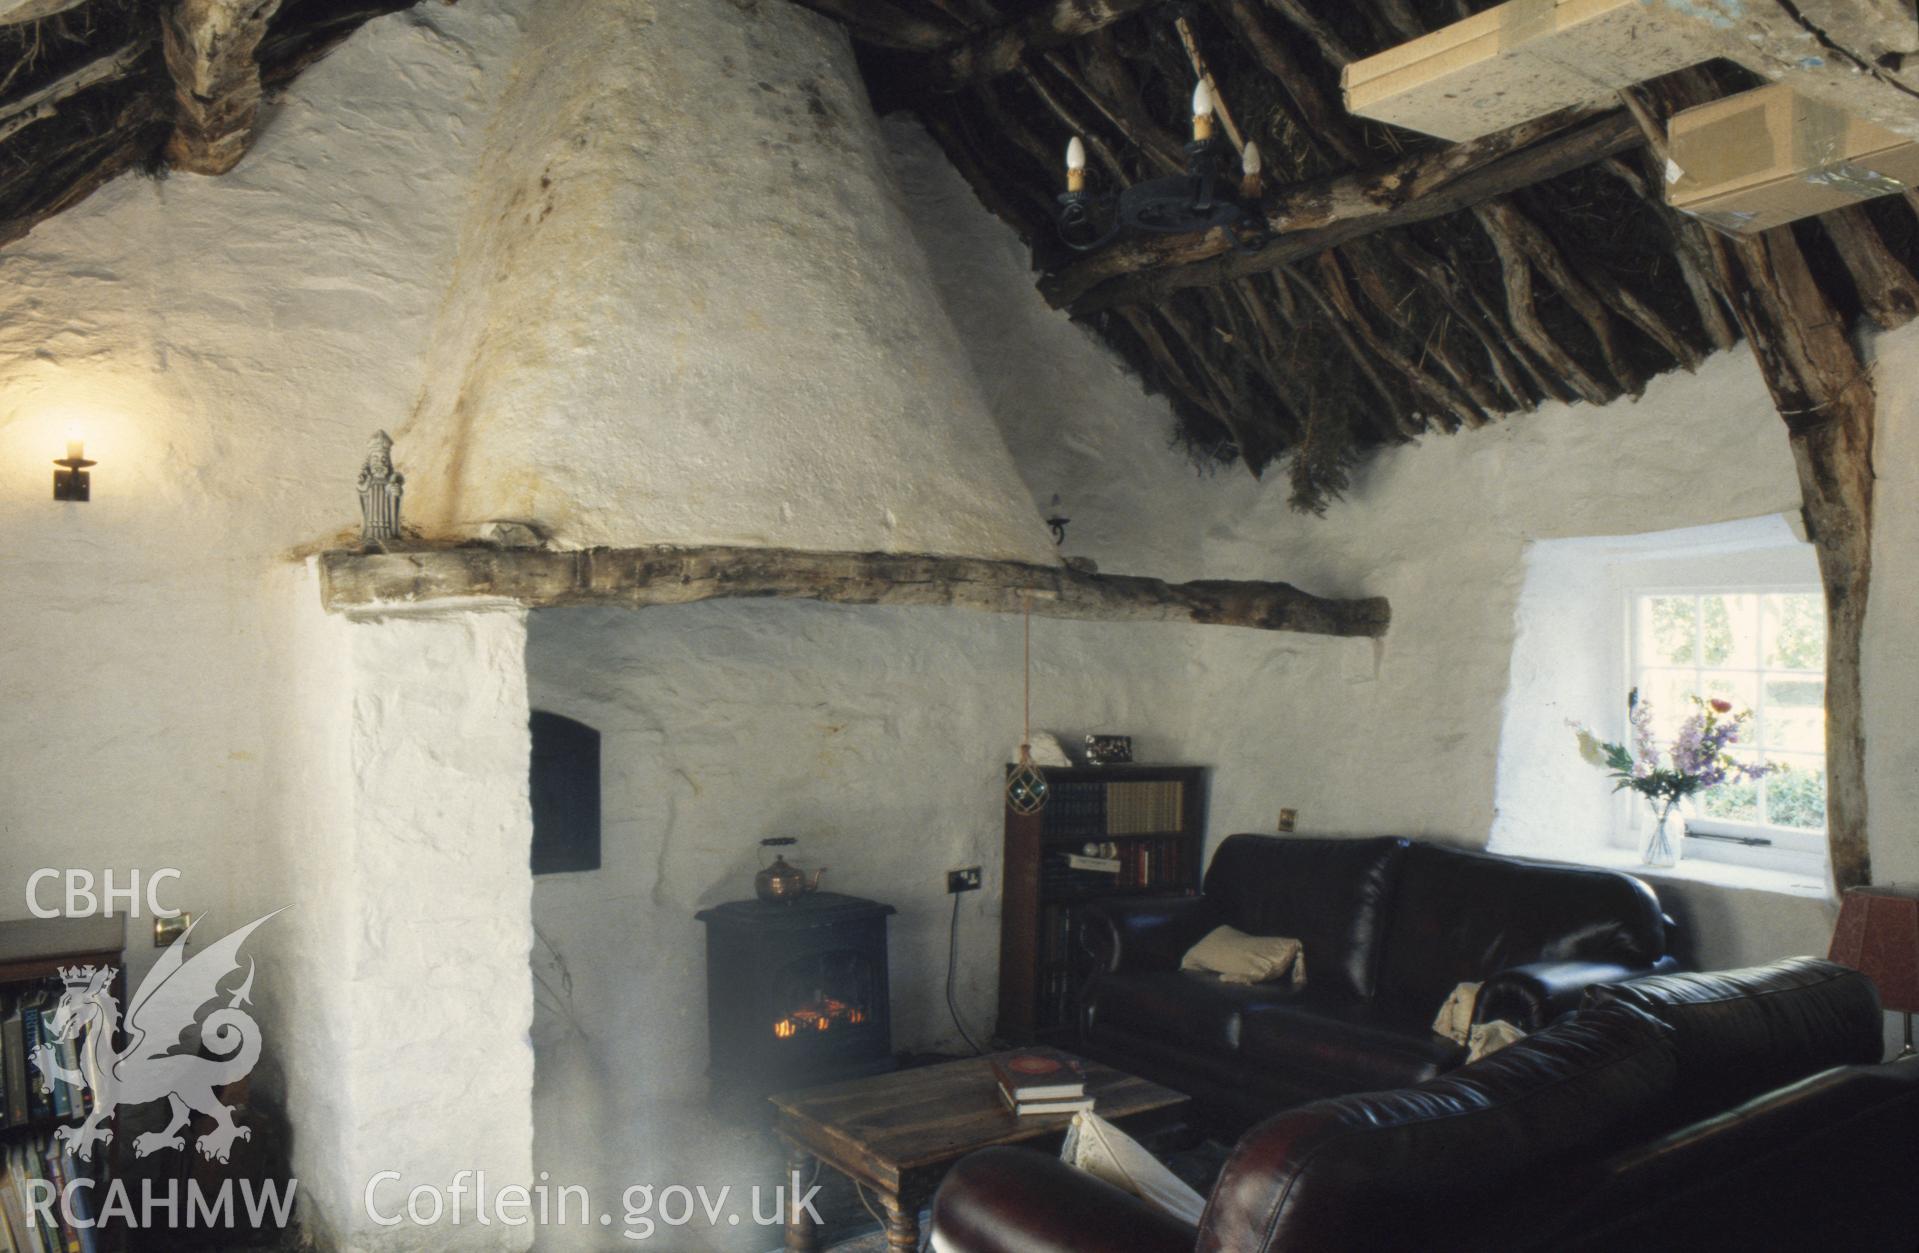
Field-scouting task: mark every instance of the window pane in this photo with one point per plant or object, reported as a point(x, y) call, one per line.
point(1796, 795)
point(1736, 800)
point(1667, 630)
point(1731, 631)
point(1794, 631)
point(1667, 691)
point(1796, 715)
point(1741, 689)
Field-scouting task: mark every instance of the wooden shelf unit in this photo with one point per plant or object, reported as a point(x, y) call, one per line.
point(1159, 833)
point(32, 952)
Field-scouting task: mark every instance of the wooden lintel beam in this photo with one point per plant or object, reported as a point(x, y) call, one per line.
point(1311, 217)
point(641, 577)
point(211, 48)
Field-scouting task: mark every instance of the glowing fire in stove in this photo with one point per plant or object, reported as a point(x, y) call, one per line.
point(823, 1014)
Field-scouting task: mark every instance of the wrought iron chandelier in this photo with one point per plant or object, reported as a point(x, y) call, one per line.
point(1178, 204)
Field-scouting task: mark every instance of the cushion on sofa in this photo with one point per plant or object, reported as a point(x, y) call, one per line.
point(1349, 1046)
point(1329, 894)
point(1742, 1032)
point(1409, 1168)
point(1189, 1008)
point(1459, 916)
point(1240, 958)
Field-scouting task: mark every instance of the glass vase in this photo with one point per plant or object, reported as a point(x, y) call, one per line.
point(1662, 849)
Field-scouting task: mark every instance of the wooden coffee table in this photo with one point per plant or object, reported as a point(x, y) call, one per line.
point(897, 1133)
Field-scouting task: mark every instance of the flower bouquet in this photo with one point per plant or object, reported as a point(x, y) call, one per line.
point(1696, 760)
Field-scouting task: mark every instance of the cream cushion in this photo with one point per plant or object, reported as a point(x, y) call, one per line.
point(1240, 958)
point(1455, 1022)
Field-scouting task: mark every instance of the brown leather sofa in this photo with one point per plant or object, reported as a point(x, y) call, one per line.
point(1389, 927)
point(1742, 1109)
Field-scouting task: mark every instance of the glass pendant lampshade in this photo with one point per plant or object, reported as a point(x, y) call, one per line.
point(1026, 786)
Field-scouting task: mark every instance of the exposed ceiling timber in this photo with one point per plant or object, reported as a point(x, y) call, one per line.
point(1309, 217)
point(13, 12)
point(86, 94)
point(210, 52)
point(1409, 286)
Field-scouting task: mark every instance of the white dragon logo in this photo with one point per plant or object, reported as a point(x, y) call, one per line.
point(158, 1061)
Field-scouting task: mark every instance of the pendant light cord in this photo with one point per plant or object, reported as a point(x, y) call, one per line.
point(1026, 714)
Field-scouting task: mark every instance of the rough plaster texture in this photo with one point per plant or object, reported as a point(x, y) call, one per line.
point(399, 978)
point(228, 344)
point(688, 309)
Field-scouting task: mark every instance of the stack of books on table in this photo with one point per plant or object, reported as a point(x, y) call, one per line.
point(1041, 1081)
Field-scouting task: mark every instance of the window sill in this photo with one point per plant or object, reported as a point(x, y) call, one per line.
point(1717, 873)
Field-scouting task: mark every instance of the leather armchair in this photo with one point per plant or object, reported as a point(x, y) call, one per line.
point(1009, 1200)
point(1532, 995)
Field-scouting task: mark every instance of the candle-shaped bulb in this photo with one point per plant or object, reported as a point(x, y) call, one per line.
point(1075, 165)
point(1202, 111)
point(76, 444)
point(1249, 159)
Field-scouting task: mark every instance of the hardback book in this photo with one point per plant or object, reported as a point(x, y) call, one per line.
point(13, 1038)
point(39, 1099)
point(1024, 1109)
point(1105, 865)
point(1039, 1074)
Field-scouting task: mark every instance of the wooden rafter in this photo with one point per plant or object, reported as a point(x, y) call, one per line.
point(639, 577)
point(15, 12)
point(210, 49)
point(1309, 218)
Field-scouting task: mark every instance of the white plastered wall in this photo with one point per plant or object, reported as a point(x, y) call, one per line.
point(401, 999)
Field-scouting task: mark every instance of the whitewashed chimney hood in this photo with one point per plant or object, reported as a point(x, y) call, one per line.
point(688, 308)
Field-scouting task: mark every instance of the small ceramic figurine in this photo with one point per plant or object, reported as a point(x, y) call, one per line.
point(380, 489)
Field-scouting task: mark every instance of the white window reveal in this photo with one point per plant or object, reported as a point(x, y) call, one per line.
point(1730, 611)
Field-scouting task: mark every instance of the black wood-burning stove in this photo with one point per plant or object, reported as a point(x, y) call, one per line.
point(796, 995)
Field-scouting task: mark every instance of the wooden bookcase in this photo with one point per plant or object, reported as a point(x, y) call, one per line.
point(31, 955)
point(1152, 818)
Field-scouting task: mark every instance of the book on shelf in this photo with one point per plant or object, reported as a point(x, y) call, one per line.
point(26, 1023)
point(1104, 865)
point(13, 1041)
point(72, 1229)
point(1040, 1074)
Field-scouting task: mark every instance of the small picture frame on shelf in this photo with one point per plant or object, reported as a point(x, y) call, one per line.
point(1109, 750)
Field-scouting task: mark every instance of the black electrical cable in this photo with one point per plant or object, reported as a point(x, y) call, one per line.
point(952, 971)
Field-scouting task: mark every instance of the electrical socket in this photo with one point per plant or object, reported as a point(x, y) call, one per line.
point(967, 880)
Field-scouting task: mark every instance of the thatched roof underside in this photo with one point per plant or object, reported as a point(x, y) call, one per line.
point(1580, 286)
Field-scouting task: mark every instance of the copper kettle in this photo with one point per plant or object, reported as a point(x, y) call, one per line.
point(783, 881)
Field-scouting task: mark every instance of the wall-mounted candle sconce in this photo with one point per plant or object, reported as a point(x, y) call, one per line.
point(73, 482)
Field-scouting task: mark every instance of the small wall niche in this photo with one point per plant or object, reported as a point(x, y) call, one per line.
point(566, 794)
